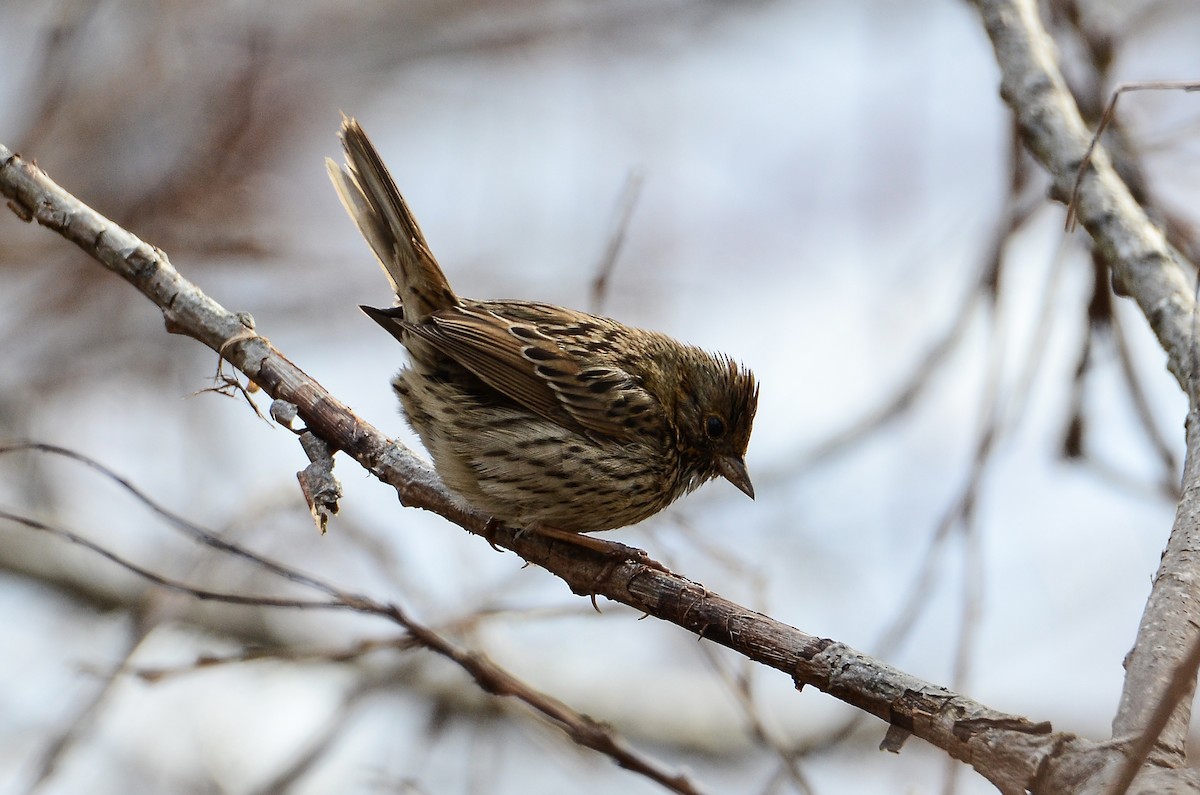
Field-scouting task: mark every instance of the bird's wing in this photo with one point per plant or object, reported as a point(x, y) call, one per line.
point(521, 360)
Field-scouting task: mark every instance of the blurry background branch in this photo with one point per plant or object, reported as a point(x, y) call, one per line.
point(489, 676)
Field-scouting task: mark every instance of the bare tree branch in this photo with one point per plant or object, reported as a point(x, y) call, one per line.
point(1144, 265)
point(1181, 686)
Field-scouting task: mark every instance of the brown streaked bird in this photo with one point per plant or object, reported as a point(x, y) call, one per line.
point(545, 418)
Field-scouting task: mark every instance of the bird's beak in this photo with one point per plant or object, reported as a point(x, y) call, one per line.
point(733, 469)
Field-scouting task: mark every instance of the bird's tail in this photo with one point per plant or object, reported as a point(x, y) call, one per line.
point(369, 194)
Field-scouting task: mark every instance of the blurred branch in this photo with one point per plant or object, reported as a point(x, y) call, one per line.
point(248, 654)
point(904, 397)
point(80, 723)
point(982, 293)
point(490, 677)
point(616, 239)
point(1169, 463)
point(740, 685)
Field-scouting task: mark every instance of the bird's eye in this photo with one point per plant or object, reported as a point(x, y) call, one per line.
point(714, 426)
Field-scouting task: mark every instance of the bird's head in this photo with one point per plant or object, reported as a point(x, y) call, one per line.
point(715, 402)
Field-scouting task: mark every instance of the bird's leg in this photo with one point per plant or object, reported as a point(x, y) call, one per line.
point(613, 549)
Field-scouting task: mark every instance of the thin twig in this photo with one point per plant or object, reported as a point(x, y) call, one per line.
point(168, 582)
point(189, 529)
point(257, 654)
point(741, 687)
point(616, 239)
point(1105, 119)
point(83, 718)
point(1169, 477)
point(489, 676)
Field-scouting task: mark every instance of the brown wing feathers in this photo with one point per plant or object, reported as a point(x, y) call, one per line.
point(529, 367)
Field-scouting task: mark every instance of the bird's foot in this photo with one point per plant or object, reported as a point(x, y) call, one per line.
point(613, 549)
